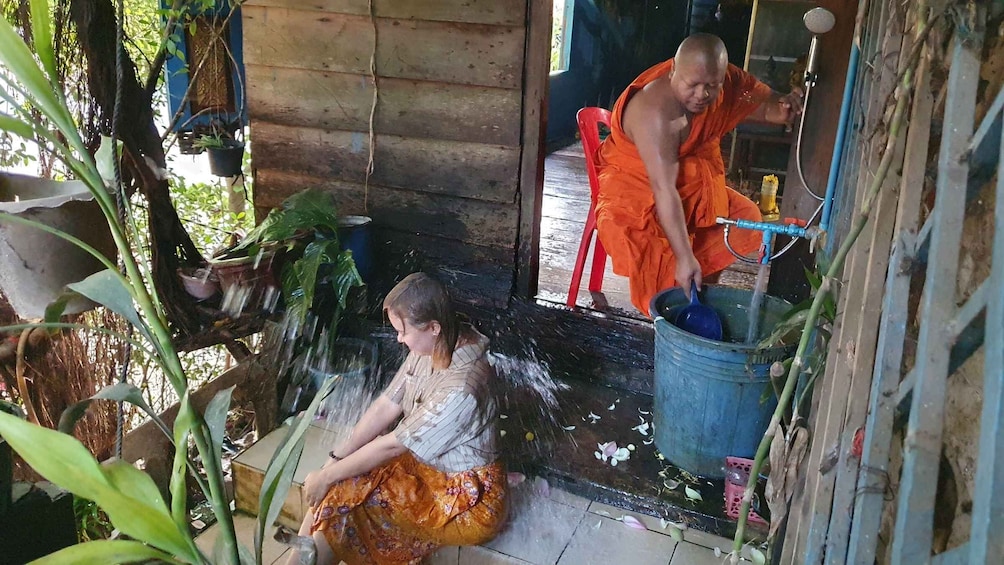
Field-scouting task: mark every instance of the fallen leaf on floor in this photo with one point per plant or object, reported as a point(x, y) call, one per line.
point(645, 412)
point(718, 552)
point(568, 428)
point(542, 487)
point(598, 524)
point(758, 557)
point(503, 416)
point(692, 494)
point(611, 407)
point(501, 433)
point(593, 417)
point(671, 484)
point(678, 525)
point(529, 436)
point(633, 522)
point(642, 428)
point(631, 447)
point(648, 442)
point(515, 478)
point(675, 533)
point(608, 448)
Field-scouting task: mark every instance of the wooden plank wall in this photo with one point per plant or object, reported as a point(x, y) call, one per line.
point(448, 123)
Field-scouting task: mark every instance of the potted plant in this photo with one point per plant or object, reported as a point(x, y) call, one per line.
point(226, 153)
point(303, 235)
point(317, 274)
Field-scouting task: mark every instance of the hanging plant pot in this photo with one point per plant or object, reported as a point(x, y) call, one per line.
point(35, 266)
point(226, 161)
point(249, 284)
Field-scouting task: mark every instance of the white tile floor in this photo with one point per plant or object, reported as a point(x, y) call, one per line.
point(554, 529)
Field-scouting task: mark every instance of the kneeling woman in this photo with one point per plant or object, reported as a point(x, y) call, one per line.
point(435, 480)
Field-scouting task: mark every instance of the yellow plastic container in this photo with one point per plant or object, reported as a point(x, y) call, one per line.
point(768, 198)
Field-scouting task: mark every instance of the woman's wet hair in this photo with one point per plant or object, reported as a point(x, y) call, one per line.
point(420, 300)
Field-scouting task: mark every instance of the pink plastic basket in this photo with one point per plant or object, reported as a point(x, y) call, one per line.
point(734, 493)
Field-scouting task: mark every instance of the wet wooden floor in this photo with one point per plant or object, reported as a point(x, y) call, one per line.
point(563, 216)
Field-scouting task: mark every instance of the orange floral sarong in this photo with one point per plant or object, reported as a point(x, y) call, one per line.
point(625, 206)
point(403, 511)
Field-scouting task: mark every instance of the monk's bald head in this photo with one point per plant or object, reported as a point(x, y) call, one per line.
point(699, 71)
point(703, 49)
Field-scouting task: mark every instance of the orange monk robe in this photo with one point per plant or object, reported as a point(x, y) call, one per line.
point(625, 206)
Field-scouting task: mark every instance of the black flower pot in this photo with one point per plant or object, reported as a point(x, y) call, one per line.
point(226, 161)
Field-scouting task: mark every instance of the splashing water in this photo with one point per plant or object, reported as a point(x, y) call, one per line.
point(309, 357)
point(759, 289)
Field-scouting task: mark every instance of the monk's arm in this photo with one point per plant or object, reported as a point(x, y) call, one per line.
point(778, 108)
point(658, 143)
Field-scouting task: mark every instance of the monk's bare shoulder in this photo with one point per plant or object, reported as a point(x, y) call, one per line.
point(654, 108)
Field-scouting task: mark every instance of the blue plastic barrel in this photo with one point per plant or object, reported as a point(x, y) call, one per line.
point(354, 235)
point(708, 394)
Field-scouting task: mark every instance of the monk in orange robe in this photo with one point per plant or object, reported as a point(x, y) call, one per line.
point(662, 178)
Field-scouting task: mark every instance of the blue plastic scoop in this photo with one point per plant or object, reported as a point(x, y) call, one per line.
point(699, 319)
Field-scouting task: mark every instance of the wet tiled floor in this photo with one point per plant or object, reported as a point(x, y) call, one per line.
point(559, 528)
point(548, 525)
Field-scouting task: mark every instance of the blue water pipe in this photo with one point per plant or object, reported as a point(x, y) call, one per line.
point(790, 227)
point(838, 143)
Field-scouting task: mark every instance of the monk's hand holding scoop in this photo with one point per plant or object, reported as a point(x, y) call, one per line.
point(687, 270)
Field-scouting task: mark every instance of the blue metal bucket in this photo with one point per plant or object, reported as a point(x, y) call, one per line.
point(354, 235)
point(707, 402)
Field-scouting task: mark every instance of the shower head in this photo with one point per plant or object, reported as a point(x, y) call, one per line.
point(819, 20)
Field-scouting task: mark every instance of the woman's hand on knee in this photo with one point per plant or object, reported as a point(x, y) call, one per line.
point(315, 486)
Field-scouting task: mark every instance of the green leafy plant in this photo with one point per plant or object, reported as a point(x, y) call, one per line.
point(92, 523)
point(129, 497)
point(306, 227)
point(217, 140)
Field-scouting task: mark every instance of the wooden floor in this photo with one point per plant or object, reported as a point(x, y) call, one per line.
point(564, 209)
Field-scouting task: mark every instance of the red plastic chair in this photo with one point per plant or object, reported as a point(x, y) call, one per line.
point(589, 119)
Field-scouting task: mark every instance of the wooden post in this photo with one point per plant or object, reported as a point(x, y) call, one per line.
point(530, 195)
point(236, 198)
point(787, 279)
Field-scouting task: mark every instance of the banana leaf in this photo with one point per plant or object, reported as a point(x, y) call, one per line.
point(126, 494)
point(183, 424)
point(105, 551)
